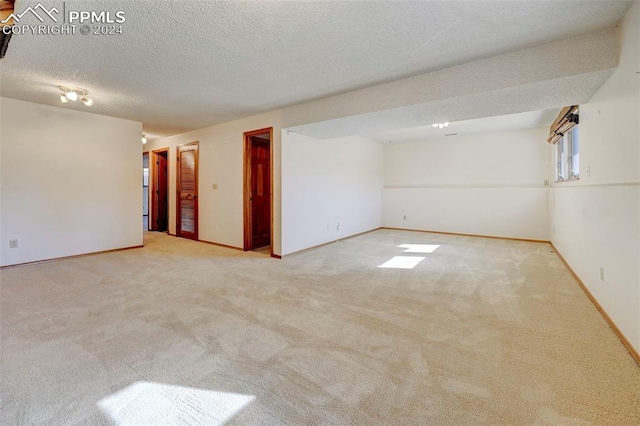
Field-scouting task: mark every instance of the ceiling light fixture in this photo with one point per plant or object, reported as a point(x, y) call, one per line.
point(72, 95)
point(143, 139)
point(69, 94)
point(440, 125)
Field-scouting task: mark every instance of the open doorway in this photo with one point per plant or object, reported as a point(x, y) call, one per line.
point(159, 162)
point(145, 191)
point(258, 190)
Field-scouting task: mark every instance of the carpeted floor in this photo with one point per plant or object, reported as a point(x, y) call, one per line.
point(480, 331)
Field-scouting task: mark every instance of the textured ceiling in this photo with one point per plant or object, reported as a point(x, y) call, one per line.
point(501, 123)
point(552, 75)
point(187, 64)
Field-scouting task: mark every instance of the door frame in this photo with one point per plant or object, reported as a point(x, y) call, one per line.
point(153, 172)
point(197, 183)
point(246, 189)
point(150, 178)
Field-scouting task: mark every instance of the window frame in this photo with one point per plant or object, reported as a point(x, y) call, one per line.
point(564, 156)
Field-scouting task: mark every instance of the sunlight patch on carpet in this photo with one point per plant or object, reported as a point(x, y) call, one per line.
point(419, 248)
point(402, 262)
point(148, 403)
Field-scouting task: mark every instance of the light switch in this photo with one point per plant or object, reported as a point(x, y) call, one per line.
point(214, 186)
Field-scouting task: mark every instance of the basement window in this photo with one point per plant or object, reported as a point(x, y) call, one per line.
point(568, 156)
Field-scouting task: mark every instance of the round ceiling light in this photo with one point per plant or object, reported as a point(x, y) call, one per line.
point(72, 95)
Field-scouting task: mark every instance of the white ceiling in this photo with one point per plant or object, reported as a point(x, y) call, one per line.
point(502, 123)
point(186, 64)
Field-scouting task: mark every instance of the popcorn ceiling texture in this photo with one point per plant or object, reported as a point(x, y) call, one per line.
point(183, 65)
point(482, 331)
point(548, 76)
point(529, 97)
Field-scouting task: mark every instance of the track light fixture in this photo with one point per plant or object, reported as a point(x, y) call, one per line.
point(70, 94)
point(144, 139)
point(441, 125)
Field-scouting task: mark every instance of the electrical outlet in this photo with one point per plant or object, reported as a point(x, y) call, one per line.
point(602, 273)
point(404, 217)
point(338, 226)
point(13, 243)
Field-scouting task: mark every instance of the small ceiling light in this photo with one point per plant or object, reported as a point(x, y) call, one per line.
point(144, 139)
point(440, 125)
point(71, 95)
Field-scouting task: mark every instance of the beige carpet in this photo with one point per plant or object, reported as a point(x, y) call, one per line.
point(480, 331)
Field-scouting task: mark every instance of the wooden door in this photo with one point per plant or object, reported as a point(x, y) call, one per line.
point(260, 193)
point(160, 191)
point(146, 177)
point(187, 191)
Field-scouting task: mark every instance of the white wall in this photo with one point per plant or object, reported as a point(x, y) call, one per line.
point(597, 219)
point(220, 211)
point(488, 184)
point(70, 182)
point(331, 189)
